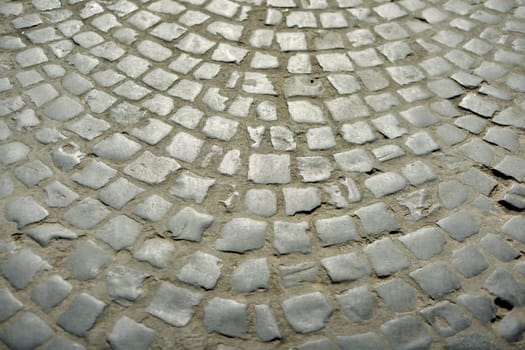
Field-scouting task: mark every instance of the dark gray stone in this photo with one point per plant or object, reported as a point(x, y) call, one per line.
point(63, 343)
point(266, 326)
point(50, 292)
point(226, 317)
point(469, 261)
point(386, 257)
point(437, 279)
point(81, 314)
point(498, 247)
point(174, 305)
point(17, 337)
point(511, 328)
point(502, 284)
point(406, 333)
point(345, 267)
point(446, 318)
point(20, 269)
point(128, 334)
point(460, 225)
point(357, 303)
point(86, 260)
point(398, 295)
point(480, 306)
point(307, 313)
point(515, 228)
point(10, 304)
point(363, 341)
point(471, 341)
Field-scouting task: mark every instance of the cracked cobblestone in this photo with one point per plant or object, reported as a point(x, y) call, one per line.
point(266, 174)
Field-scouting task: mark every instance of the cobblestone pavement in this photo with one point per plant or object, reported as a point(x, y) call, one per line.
point(250, 174)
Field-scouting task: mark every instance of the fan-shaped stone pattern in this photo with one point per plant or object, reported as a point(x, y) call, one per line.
point(285, 138)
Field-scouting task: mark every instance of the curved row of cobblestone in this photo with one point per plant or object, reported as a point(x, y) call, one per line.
point(220, 174)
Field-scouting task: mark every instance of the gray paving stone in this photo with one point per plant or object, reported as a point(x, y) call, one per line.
point(479, 180)
point(174, 305)
point(512, 166)
point(498, 247)
point(357, 303)
point(87, 260)
point(44, 233)
point(406, 333)
point(13, 152)
point(291, 237)
point(502, 284)
point(336, 230)
point(469, 261)
point(377, 218)
point(266, 326)
point(386, 257)
point(190, 186)
point(242, 234)
point(124, 284)
point(418, 172)
point(189, 224)
point(299, 200)
point(201, 270)
point(514, 197)
point(425, 242)
point(398, 295)
point(323, 343)
point(155, 251)
point(81, 314)
point(345, 267)
point(151, 169)
point(94, 175)
point(356, 160)
point(87, 214)
point(153, 208)
point(452, 193)
point(128, 334)
point(120, 232)
point(437, 279)
point(25, 211)
point(293, 275)
point(307, 313)
point(61, 343)
point(119, 193)
point(511, 328)
point(10, 304)
point(251, 275)
point(460, 225)
point(261, 202)
point(15, 335)
point(226, 317)
point(385, 184)
point(480, 306)
point(365, 341)
point(49, 293)
point(454, 319)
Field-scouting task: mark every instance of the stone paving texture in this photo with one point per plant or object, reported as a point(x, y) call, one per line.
point(262, 174)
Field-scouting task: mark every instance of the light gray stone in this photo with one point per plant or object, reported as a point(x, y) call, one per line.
point(398, 295)
point(436, 279)
point(16, 336)
point(377, 218)
point(47, 232)
point(357, 303)
point(480, 306)
point(226, 317)
point(291, 237)
point(128, 334)
point(87, 260)
point(446, 318)
point(307, 313)
point(502, 284)
point(386, 257)
point(266, 326)
point(87, 214)
point(189, 224)
point(120, 232)
point(155, 251)
point(201, 270)
point(469, 261)
point(345, 267)
point(10, 304)
point(25, 211)
point(242, 234)
point(250, 276)
point(406, 333)
point(424, 243)
point(301, 199)
point(49, 293)
point(337, 230)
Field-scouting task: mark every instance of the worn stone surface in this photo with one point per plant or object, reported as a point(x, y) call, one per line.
point(211, 161)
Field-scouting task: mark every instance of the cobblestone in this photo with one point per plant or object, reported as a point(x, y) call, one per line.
point(262, 174)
